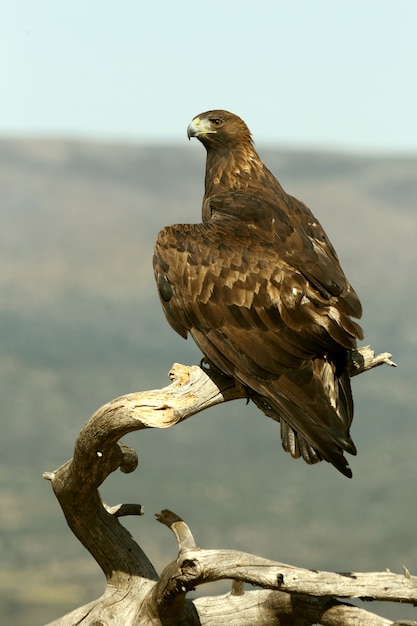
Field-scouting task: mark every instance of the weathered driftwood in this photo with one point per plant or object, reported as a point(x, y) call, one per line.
point(135, 594)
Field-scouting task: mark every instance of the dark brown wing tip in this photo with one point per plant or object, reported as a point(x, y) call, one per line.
point(350, 447)
point(340, 463)
point(346, 471)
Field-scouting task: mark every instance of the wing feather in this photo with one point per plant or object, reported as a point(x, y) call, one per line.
point(257, 326)
point(268, 303)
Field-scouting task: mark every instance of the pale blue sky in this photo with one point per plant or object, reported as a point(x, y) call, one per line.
point(302, 73)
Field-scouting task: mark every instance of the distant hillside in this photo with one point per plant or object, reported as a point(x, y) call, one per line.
point(80, 323)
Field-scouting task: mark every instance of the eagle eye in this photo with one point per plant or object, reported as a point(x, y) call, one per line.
point(216, 121)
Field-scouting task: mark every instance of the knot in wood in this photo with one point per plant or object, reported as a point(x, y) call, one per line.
point(129, 461)
point(191, 569)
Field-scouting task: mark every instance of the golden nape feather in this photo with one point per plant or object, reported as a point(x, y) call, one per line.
point(259, 287)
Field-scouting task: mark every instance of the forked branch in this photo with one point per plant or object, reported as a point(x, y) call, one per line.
point(135, 594)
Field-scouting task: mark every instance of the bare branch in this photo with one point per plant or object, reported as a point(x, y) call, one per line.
point(192, 390)
point(196, 566)
point(135, 594)
point(364, 359)
point(122, 510)
point(180, 529)
point(274, 608)
point(229, 564)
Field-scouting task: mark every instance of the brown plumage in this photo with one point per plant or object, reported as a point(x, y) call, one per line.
point(259, 287)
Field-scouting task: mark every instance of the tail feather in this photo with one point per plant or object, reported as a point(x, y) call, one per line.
point(314, 419)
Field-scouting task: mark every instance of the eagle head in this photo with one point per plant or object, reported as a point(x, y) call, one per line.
point(214, 128)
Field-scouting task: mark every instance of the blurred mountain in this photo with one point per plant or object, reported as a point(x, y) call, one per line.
point(80, 323)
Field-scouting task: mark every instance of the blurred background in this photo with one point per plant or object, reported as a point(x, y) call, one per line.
point(94, 160)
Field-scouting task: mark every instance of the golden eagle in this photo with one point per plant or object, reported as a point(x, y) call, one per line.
point(259, 287)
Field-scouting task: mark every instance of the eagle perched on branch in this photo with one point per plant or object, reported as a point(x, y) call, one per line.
point(259, 287)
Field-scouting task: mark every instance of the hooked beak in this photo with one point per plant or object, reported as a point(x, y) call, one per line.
point(198, 127)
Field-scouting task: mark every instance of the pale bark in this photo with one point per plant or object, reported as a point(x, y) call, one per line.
point(135, 594)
